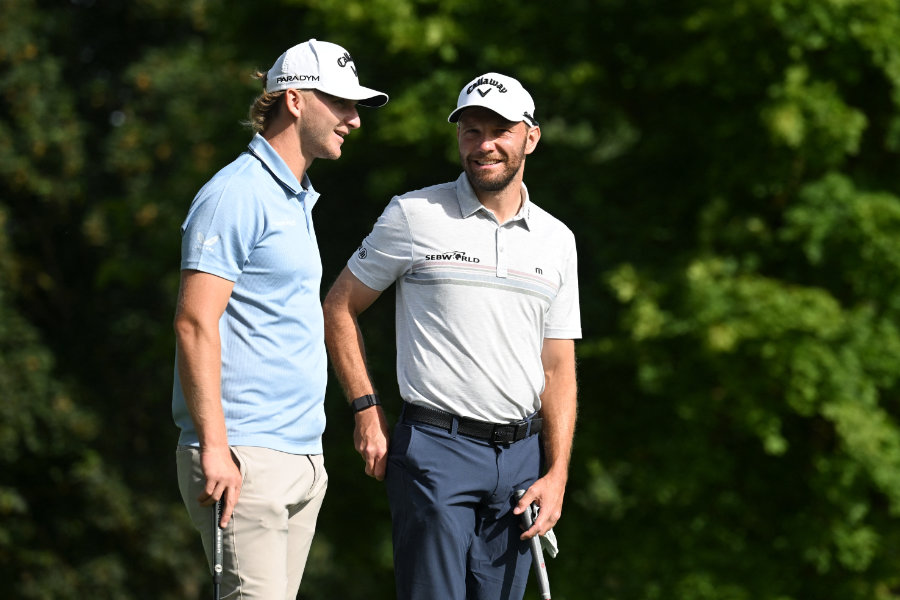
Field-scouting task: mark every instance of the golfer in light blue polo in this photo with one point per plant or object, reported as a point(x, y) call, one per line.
point(250, 367)
point(487, 315)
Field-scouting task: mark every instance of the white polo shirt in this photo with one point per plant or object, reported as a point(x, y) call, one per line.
point(475, 299)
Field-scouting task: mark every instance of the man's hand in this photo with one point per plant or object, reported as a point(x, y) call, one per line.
point(223, 479)
point(558, 409)
point(370, 437)
point(547, 493)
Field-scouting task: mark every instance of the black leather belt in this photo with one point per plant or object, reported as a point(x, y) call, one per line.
point(482, 430)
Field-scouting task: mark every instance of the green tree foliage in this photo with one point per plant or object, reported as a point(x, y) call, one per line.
point(728, 170)
point(70, 527)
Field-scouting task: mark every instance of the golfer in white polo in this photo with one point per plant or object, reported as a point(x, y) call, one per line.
point(487, 315)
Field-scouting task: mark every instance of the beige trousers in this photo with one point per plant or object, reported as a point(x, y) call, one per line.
point(267, 541)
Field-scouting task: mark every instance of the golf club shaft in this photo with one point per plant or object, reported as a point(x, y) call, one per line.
point(537, 554)
point(217, 547)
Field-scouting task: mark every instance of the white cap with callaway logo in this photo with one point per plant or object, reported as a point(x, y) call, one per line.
point(323, 66)
point(500, 93)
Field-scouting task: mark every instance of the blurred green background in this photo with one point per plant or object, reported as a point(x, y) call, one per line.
point(730, 170)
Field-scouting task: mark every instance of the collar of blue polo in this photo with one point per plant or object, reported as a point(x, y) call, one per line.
point(261, 149)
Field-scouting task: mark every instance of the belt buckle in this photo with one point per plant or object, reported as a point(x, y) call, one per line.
point(499, 435)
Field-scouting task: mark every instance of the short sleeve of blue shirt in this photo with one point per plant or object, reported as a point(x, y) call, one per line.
point(219, 232)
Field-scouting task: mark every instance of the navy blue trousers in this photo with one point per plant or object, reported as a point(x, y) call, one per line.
point(451, 497)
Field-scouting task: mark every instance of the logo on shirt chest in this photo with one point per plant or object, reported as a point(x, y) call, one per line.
point(457, 255)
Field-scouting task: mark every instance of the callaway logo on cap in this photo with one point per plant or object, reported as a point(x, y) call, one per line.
point(500, 93)
point(315, 65)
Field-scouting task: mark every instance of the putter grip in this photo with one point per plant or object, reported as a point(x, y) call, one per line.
point(537, 554)
point(217, 543)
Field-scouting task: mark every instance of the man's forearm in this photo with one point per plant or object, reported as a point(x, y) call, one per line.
point(199, 368)
point(348, 298)
point(559, 409)
point(559, 405)
point(347, 351)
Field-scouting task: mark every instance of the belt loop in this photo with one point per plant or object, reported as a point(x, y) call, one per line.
point(454, 426)
point(528, 429)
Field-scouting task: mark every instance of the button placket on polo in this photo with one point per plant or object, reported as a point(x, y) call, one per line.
point(502, 256)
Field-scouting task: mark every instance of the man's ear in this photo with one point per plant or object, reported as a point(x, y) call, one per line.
point(532, 138)
point(293, 101)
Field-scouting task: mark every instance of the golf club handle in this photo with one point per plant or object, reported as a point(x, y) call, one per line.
point(537, 554)
point(217, 546)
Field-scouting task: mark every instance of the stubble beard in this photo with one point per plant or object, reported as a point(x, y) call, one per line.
point(317, 139)
point(484, 182)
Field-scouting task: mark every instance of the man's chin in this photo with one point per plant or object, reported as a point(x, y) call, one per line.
point(488, 184)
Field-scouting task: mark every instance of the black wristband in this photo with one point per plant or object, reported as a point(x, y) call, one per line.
point(364, 402)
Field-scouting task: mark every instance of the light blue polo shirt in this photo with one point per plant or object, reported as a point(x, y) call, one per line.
point(252, 224)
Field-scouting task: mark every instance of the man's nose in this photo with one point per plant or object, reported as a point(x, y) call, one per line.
point(353, 121)
point(486, 143)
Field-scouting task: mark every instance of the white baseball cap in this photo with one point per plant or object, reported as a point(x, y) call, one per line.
point(500, 93)
point(316, 65)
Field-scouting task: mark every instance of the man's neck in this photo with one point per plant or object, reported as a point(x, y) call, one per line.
point(505, 203)
point(287, 144)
